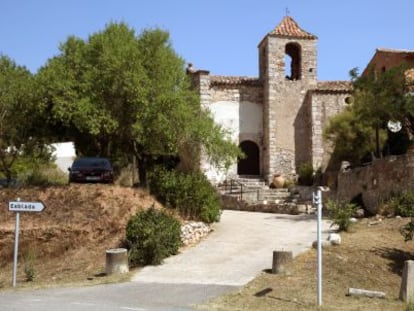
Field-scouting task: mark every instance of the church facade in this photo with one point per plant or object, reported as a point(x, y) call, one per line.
point(276, 118)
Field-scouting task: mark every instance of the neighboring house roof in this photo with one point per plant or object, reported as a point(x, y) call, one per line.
point(234, 80)
point(333, 86)
point(384, 59)
point(399, 51)
point(289, 28)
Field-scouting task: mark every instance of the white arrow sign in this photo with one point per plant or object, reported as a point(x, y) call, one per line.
point(19, 206)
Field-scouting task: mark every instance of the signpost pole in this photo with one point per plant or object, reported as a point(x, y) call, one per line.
point(317, 200)
point(16, 246)
point(319, 204)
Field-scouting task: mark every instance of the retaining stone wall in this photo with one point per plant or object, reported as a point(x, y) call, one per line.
point(377, 181)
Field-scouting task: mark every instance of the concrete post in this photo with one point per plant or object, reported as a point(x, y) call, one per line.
point(116, 261)
point(280, 261)
point(407, 282)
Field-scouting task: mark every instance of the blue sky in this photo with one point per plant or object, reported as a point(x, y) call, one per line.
point(216, 35)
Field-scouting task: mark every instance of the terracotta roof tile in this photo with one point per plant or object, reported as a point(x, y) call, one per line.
point(289, 28)
point(386, 50)
point(333, 86)
point(234, 80)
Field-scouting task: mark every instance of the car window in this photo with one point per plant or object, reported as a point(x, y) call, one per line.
point(81, 163)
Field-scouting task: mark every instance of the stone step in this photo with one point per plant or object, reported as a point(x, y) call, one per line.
point(246, 179)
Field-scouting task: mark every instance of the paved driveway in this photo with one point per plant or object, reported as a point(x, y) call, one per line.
point(240, 247)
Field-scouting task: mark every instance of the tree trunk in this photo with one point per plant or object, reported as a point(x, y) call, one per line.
point(377, 141)
point(142, 172)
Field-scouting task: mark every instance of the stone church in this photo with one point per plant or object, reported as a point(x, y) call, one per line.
point(278, 117)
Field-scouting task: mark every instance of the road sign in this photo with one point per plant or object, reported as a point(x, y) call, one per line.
point(19, 206)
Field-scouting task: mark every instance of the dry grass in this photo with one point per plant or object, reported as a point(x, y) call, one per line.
point(371, 257)
point(68, 240)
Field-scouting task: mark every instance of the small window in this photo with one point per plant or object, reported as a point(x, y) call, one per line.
point(348, 100)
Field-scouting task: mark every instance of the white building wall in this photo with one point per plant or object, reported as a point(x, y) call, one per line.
point(243, 121)
point(64, 154)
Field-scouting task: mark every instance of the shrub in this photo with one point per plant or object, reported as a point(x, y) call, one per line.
point(38, 173)
point(306, 174)
point(191, 194)
point(29, 270)
point(407, 231)
point(410, 307)
point(151, 236)
point(47, 175)
point(340, 213)
point(402, 204)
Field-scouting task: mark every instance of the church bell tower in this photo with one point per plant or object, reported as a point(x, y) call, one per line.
point(288, 69)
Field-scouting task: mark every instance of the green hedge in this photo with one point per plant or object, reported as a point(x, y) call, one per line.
point(191, 194)
point(151, 236)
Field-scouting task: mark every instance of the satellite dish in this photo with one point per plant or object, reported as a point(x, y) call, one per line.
point(394, 126)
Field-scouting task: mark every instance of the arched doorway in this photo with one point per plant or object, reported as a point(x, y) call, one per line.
point(250, 165)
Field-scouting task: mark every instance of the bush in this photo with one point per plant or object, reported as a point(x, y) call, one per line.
point(407, 231)
point(29, 270)
point(191, 194)
point(47, 175)
point(340, 213)
point(402, 204)
point(28, 171)
point(151, 236)
point(306, 174)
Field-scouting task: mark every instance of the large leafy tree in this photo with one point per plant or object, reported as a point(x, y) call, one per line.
point(117, 93)
point(21, 130)
point(362, 127)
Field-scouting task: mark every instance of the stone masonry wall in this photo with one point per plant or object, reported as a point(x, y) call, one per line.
point(237, 93)
point(284, 100)
point(324, 106)
point(377, 181)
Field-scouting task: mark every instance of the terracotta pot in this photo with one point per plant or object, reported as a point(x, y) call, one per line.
point(278, 181)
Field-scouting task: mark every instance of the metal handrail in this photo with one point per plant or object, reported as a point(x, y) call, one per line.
point(233, 184)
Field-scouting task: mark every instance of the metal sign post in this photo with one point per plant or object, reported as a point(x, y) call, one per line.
point(317, 200)
point(16, 248)
point(18, 206)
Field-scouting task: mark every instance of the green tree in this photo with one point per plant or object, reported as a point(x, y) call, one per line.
point(362, 127)
point(121, 94)
point(21, 132)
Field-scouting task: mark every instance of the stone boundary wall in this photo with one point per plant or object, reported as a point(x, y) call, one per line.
point(377, 181)
point(194, 231)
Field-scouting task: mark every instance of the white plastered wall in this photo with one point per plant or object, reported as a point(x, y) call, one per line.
point(244, 121)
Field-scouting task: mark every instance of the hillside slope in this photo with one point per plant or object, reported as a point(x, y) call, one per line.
point(69, 238)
